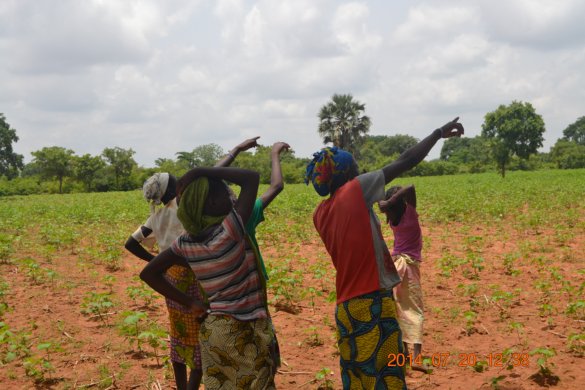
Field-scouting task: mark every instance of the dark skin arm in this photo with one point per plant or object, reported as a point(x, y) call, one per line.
point(411, 157)
point(276, 181)
point(138, 250)
point(153, 273)
point(231, 156)
point(408, 194)
point(246, 179)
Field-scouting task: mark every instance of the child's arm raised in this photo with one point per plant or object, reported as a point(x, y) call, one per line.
point(406, 193)
point(276, 181)
point(411, 157)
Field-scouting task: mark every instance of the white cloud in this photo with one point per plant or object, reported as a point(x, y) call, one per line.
point(161, 77)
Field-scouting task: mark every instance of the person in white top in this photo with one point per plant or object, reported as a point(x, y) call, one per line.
point(160, 191)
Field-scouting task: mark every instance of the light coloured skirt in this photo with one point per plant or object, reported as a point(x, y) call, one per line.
point(409, 299)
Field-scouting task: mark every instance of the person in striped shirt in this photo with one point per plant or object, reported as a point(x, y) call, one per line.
point(236, 331)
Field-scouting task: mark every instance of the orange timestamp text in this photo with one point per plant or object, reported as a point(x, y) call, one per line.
point(461, 359)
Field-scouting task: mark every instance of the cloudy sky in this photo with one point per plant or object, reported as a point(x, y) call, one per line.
point(166, 76)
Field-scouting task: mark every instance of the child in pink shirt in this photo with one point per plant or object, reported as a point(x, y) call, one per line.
point(400, 209)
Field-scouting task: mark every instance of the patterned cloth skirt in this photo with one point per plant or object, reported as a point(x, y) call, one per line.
point(409, 299)
point(184, 325)
point(368, 334)
point(237, 354)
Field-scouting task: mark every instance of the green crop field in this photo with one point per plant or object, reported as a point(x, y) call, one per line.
point(503, 275)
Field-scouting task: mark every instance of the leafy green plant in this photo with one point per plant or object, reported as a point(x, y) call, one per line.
point(98, 305)
point(543, 355)
point(142, 293)
point(576, 310)
point(132, 325)
point(33, 270)
point(322, 379)
point(41, 367)
point(314, 339)
point(576, 344)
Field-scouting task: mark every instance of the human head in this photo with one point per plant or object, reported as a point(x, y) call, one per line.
point(330, 169)
point(397, 209)
point(159, 188)
point(204, 202)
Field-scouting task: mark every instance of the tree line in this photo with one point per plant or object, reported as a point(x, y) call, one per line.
point(509, 140)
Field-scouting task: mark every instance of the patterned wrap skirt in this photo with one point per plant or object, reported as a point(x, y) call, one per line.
point(409, 299)
point(237, 354)
point(184, 325)
point(368, 333)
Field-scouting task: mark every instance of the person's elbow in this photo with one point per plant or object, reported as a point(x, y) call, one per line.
point(130, 243)
point(147, 275)
point(277, 187)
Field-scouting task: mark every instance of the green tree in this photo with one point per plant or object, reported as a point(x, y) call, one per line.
point(472, 152)
point(341, 122)
point(568, 155)
point(202, 156)
point(575, 132)
point(10, 162)
point(379, 150)
point(513, 130)
point(54, 162)
point(86, 167)
point(121, 163)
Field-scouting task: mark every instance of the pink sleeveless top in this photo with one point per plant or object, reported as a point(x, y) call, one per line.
point(408, 235)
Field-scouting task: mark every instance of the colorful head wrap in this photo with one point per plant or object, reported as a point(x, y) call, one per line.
point(328, 169)
point(190, 211)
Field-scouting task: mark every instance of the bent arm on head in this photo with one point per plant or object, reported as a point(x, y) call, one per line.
point(413, 156)
point(406, 193)
point(247, 180)
point(276, 181)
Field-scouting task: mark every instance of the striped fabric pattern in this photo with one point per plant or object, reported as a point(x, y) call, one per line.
point(226, 268)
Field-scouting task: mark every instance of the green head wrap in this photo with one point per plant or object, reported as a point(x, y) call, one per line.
point(191, 205)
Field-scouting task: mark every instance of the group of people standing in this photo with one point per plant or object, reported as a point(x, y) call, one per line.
point(211, 272)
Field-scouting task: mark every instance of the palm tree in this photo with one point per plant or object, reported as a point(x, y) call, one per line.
point(342, 123)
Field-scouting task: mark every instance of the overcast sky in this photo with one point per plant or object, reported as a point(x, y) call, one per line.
point(166, 76)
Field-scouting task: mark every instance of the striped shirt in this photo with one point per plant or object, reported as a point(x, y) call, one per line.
point(226, 268)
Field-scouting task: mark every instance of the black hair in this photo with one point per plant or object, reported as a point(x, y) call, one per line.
point(391, 191)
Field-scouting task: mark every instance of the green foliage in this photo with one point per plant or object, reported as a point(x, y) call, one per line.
point(469, 153)
point(86, 168)
point(97, 305)
point(515, 129)
point(380, 150)
point(543, 355)
point(568, 154)
point(10, 162)
point(341, 122)
point(202, 156)
point(54, 162)
point(120, 163)
point(575, 132)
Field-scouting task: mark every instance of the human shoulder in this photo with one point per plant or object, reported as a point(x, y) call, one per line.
point(372, 184)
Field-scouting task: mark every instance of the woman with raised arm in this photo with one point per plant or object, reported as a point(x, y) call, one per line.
point(235, 332)
point(366, 312)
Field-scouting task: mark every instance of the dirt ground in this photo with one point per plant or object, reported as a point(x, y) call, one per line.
point(95, 355)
